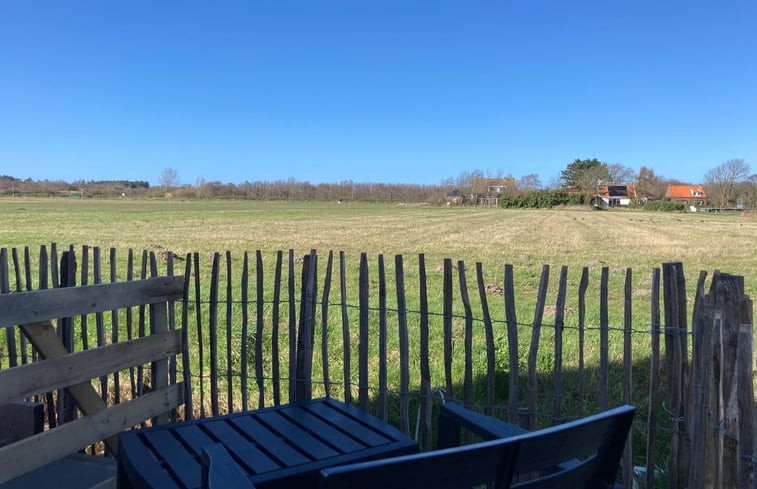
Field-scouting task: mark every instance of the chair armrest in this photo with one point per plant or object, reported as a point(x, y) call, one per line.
point(220, 471)
point(453, 416)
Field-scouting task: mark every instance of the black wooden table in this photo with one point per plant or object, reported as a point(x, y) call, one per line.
point(282, 446)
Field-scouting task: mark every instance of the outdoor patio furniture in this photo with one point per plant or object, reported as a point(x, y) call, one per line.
point(281, 446)
point(581, 453)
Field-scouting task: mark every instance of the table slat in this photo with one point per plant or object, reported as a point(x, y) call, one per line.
point(332, 433)
point(248, 454)
point(181, 463)
point(309, 444)
point(270, 440)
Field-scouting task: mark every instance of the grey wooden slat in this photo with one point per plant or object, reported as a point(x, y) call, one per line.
point(46, 375)
point(83, 282)
point(213, 335)
point(260, 292)
point(654, 378)
point(228, 327)
point(403, 344)
point(382, 340)
point(627, 462)
point(604, 357)
point(292, 328)
point(489, 333)
point(29, 307)
point(559, 325)
point(346, 344)
point(467, 337)
point(363, 340)
point(426, 401)
point(512, 344)
point(582, 287)
point(245, 328)
point(325, 324)
point(275, 366)
point(447, 327)
point(200, 336)
point(185, 360)
point(534, 348)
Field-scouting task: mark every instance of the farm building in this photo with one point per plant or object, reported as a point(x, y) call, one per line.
point(616, 195)
point(692, 196)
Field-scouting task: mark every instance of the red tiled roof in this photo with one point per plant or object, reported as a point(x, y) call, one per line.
point(686, 192)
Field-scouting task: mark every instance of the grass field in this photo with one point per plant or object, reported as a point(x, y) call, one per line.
point(527, 239)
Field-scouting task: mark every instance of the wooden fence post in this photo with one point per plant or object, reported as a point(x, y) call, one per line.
point(674, 293)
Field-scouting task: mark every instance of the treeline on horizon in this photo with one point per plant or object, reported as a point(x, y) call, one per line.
point(466, 189)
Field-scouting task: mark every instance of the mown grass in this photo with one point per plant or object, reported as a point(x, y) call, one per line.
point(528, 239)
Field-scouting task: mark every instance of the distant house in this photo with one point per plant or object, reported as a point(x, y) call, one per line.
point(692, 196)
point(454, 198)
point(616, 195)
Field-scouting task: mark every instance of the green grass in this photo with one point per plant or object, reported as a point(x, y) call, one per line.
point(528, 239)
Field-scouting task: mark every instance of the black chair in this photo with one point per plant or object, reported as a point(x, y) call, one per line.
point(584, 453)
point(452, 468)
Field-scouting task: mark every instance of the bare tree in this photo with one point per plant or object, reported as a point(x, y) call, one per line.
point(724, 176)
point(529, 182)
point(618, 173)
point(169, 177)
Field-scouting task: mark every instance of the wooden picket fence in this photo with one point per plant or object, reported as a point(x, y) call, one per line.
point(289, 339)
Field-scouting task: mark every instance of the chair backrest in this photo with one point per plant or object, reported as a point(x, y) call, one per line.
point(584, 453)
point(33, 314)
point(451, 468)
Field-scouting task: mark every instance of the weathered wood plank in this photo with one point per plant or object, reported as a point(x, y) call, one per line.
point(259, 305)
point(604, 350)
point(582, 287)
point(467, 337)
point(30, 307)
point(275, 314)
point(62, 371)
point(345, 329)
point(382, 340)
point(627, 462)
point(559, 326)
point(363, 340)
point(512, 344)
point(489, 333)
point(213, 336)
point(403, 344)
point(534, 348)
point(426, 404)
point(198, 322)
point(39, 450)
point(447, 314)
point(245, 326)
point(325, 323)
point(228, 326)
point(45, 340)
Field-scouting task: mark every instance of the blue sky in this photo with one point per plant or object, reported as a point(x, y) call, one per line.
point(408, 91)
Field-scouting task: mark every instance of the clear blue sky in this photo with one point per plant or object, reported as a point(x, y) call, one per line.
point(405, 91)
